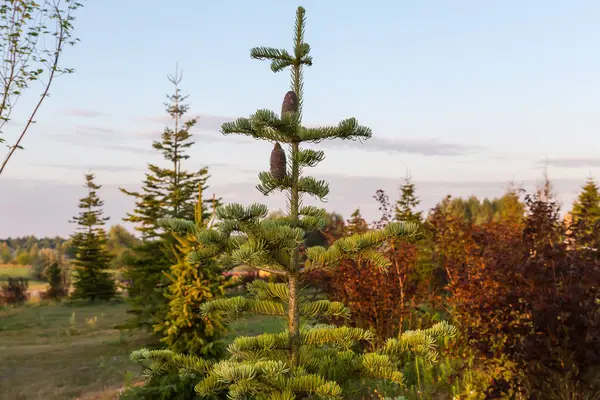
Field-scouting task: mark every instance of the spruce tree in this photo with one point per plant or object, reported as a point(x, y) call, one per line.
point(586, 215)
point(306, 360)
point(405, 206)
point(91, 280)
point(57, 288)
point(167, 191)
point(356, 223)
point(510, 208)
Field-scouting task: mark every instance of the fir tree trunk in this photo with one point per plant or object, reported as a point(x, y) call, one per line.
point(294, 308)
point(294, 322)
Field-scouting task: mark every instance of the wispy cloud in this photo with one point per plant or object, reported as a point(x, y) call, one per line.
point(426, 147)
point(83, 113)
point(105, 138)
point(570, 162)
point(85, 135)
point(205, 122)
point(92, 167)
point(130, 149)
point(208, 129)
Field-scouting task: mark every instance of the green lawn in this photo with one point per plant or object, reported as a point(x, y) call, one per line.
point(10, 271)
point(64, 351)
point(59, 352)
point(17, 271)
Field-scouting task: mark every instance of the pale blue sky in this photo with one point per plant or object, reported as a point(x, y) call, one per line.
point(467, 94)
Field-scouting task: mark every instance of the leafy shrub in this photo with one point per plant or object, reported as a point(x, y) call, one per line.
point(14, 291)
point(527, 303)
point(382, 300)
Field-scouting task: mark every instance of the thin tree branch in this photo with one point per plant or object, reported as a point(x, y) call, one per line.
point(59, 47)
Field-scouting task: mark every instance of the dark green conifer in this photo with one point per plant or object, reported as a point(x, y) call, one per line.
point(167, 191)
point(586, 215)
point(91, 280)
point(405, 206)
point(57, 288)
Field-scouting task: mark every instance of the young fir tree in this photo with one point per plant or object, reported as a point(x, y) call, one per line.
point(510, 208)
point(91, 280)
point(586, 215)
point(356, 223)
point(306, 360)
point(57, 288)
point(405, 206)
point(185, 330)
point(168, 191)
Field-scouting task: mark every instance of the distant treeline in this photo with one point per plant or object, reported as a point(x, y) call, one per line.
point(25, 250)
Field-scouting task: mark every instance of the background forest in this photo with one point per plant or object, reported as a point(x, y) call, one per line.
point(472, 299)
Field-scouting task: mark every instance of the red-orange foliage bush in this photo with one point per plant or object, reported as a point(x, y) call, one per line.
point(380, 300)
point(520, 294)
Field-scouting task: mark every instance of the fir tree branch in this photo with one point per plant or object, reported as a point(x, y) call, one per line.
point(178, 225)
point(342, 337)
point(310, 157)
point(419, 342)
point(235, 307)
point(380, 366)
point(346, 129)
point(156, 361)
point(266, 125)
point(262, 290)
point(313, 211)
point(269, 184)
point(309, 185)
point(269, 126)
point(324, 308)
point(357, 246)
point(241, 126)
point(313, 384)
point(235, 211)
point(280, 58)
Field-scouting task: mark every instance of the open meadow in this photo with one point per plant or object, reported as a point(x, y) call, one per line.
point(73, 351)
point(19, 271)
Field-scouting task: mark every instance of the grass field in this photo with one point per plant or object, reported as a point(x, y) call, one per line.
point(18, 271)
point(69, 351)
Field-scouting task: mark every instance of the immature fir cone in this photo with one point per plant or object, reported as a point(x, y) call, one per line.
point(290, 102)
point(278, 162)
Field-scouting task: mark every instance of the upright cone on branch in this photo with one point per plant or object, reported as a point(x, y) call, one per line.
point(290, 103)
point(278, 164)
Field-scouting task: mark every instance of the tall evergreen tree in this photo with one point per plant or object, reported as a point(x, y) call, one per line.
point(405, 206)
point(167, 191)
point(308, 361)
point(586, 215)
point(91, 280)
